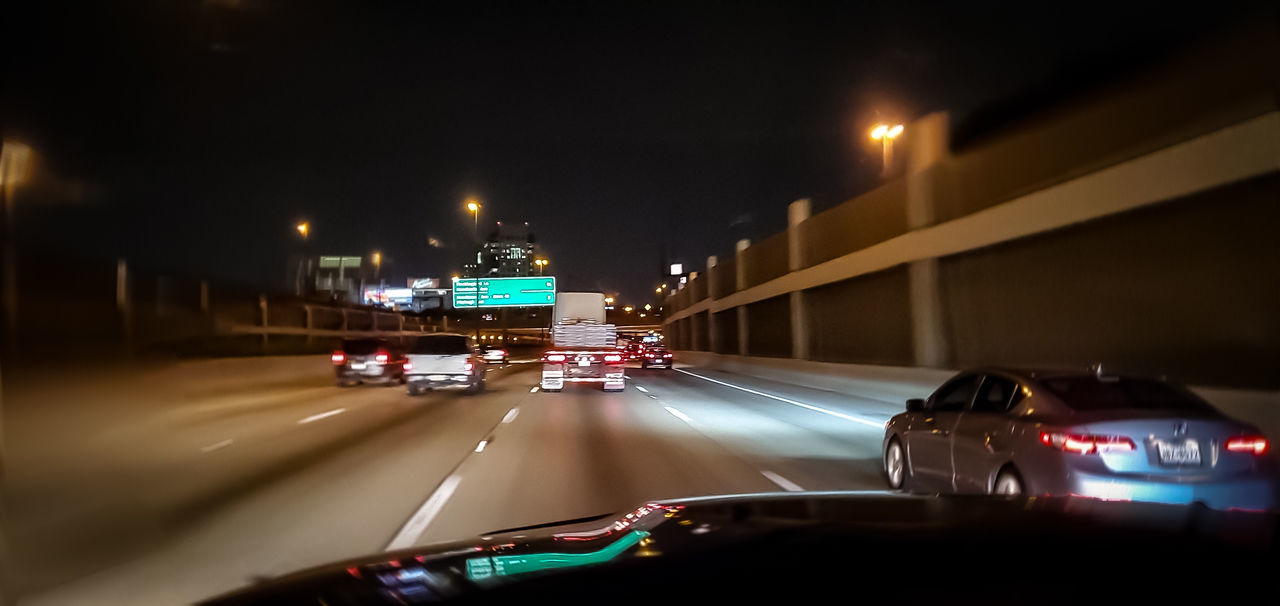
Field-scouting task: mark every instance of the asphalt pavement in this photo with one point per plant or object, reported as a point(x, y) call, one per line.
point(192, 498)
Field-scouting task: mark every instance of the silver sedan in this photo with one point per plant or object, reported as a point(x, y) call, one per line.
point(1001, 431)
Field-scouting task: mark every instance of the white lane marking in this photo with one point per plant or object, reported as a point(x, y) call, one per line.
point(481, 445)
point(212, 447)
point(511, 415)
point(326, 414)
point(627, 377)
point(679, 415)
point(786, 484)
point(533, 389)
point(642, 389)
point(867, 422)
point(429, 510)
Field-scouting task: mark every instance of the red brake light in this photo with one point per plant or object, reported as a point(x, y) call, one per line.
point(612, 359)
point(555, 357)
point(1251, 444)
point(408, 365)
point(1086, 444)
point(381, 357)
point(338, 357)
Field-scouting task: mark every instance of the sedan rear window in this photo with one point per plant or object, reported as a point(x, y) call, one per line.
point(1091, 393)
point(361, 347)
point(441, 346)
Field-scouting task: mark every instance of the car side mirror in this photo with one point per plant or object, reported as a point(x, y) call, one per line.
point(915, 405)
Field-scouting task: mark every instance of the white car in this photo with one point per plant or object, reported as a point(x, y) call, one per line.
point(443, 361)
point(495, 354)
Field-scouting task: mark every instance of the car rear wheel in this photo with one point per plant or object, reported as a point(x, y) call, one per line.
point(895, 465)
point(1008, 483)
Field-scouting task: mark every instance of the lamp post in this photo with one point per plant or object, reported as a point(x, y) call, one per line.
point(304, 230)
point(473, 207)
point(885, 134)
point(542, 264)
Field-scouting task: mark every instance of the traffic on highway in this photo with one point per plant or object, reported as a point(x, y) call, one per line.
point(359, 303)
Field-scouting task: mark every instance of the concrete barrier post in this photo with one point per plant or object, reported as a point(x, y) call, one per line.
point(262, 310)
point(741, 284)
point(713, 334)
point(927, 145)
point(797, 212)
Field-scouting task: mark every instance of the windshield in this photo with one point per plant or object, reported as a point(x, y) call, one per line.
point(442, 346)
point(287, 282)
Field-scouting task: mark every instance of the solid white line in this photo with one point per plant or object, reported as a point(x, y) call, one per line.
point(534, 389)
point(212, 447)
point(679, 415)
point(511, 415)
point(786, 484)
point(336, 411)
point(481, 445)
point(421, 518)
point(642, 389)
point(867, 422)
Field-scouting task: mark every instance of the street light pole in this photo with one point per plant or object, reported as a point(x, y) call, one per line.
point(885, 134)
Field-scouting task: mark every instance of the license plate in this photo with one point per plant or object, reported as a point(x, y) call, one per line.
point(1184, 453)
point(584, 362)
point(437, 377)
point(357, 366)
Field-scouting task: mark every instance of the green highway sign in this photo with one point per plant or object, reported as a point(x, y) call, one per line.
point(504, 292)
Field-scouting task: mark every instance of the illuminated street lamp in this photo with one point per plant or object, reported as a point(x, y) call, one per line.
point(885, 134)
point(304, 229)
point(542, 264)
point(473, 207)
point(377, 264)
point(628, 309)
point(608, 300)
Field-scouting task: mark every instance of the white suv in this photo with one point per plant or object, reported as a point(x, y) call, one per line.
point(443, 361)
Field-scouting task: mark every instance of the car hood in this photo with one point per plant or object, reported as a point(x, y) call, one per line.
point(715, 542)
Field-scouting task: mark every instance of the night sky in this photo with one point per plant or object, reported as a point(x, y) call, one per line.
point(191, 136)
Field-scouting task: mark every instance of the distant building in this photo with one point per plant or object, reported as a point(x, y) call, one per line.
point(509, 252)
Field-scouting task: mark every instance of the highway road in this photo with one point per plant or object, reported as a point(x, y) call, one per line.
point(167, 495)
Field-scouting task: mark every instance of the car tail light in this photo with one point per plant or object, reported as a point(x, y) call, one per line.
point(468, 366)
point(502, 352)
point(338, 357)
point(666, 355)
point(1086, 444)
point(382, 357)
point(1251, 444)
point(555, 357)
point(408, 366)
point(612, 359)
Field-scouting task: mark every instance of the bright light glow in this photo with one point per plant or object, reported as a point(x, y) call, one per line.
point(408, 366)
point(338, 357)
point(1252, 444)
point(381, 358)
point(658, 290)
point(628, 309)
point(884, 131)
point(677, 269)
point(647, 307)
point(377, 258)
point(608, 300)
point(555, 357)
point(473, 206)
point(303, 229)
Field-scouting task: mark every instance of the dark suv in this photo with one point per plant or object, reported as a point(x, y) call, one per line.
point(368, 361)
